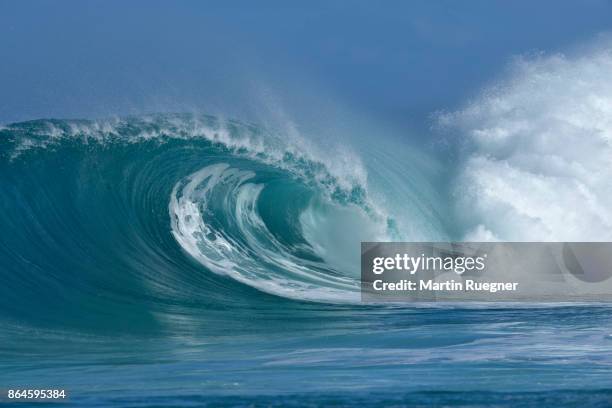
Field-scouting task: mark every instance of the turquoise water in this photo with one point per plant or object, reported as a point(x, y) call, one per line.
point(181, 260)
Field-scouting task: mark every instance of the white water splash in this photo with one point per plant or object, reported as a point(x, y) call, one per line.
point(540, 167)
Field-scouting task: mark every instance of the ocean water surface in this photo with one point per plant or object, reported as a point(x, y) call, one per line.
point(188, 260)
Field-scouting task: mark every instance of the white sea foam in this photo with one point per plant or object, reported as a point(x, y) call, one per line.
point(251, 255)
point(540, 142)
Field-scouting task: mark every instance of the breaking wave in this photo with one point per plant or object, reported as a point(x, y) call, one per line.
point(539, 151)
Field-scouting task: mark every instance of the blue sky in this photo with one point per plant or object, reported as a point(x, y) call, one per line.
point(396, 59)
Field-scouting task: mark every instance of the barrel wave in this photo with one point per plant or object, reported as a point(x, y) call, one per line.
point(133, 215)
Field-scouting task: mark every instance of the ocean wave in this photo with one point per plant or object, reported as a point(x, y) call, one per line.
point(108, 209)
